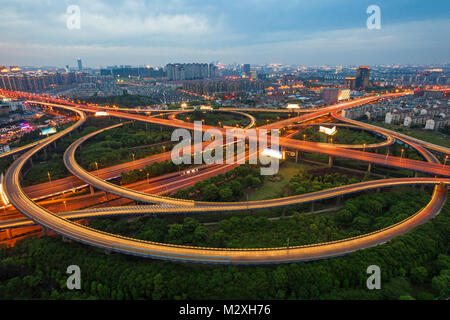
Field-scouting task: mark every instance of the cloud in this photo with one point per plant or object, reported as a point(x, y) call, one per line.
point(255, 31)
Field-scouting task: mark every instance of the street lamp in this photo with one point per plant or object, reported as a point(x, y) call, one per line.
point(148, 175)
point(96, 165)
point(133, 156)
point(49, 177)
point(445, 161)
point(401, 156)
point(364, 145)
point(304, 137)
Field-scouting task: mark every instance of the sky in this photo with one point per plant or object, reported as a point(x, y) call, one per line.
point(156, 32)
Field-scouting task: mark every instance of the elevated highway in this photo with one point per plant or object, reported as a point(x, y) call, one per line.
point(126, 245)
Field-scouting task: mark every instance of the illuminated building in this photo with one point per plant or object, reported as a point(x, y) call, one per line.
point(246, 70)
point(350, 83)
point(333, 95)
point(362, 77)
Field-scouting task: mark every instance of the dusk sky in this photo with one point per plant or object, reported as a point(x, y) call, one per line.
point(156, 32)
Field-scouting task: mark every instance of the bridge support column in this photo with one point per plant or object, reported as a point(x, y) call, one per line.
point(106, 196)
point(283, 213)
point(422, 187)
point(31, 162)
point(330, 161)
point(15, 157)
point(378, 190)
point(312, 206)
point(369, 167)
point(416, 174)
point(91, 189)
point(297, 156)
point(8, 233)
point(44, 231)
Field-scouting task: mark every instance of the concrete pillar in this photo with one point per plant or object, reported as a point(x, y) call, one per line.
point(44, 231)
point(91, 189)
point(8, 233)
point(297, 155)
point(106, 195)
point(31, 162)
point(312, 206)
point(369, 167)
point(284, 211)
point(330, 161)
point(416, 174)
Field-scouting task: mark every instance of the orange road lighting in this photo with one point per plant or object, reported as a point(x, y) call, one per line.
point(3, 195)
point(184, 105)
point(293, 106)
point(101, 113)
point(328, 131)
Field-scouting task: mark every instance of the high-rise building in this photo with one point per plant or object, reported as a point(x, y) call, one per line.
point(189, 71)
point(212, 70)
point(350, 83)
point(333, 95)
point(362, 77)
point(80, 64)
point(246, 70)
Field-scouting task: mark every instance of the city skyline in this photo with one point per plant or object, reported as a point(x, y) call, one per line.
point(141, 32)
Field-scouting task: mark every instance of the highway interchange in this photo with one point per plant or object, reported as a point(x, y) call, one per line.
point(61, 224)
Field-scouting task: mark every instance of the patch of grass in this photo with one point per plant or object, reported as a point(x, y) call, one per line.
point(274, 186)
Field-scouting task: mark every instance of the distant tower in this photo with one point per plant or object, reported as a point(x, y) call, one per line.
point(362, 77)
point(80, 65)
point(246, 70)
